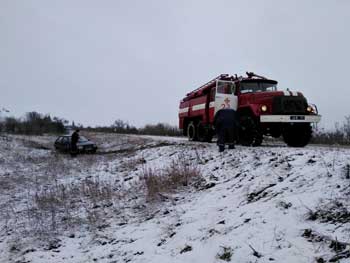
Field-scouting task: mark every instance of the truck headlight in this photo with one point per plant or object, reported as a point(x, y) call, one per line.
point(311, 109)
point(263, 108)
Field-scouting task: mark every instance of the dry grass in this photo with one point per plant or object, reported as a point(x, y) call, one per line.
point(180, 173)
point(36, 145)
point(131, 164)
point(334, 212)
point(45, 195)
point(53, 209)
point(225, 254)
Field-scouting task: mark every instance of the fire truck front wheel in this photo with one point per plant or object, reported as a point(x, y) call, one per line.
point(192, 132)
point(297, 134)
point(249, 134)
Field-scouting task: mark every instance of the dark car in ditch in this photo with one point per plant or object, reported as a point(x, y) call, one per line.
point(84, 145)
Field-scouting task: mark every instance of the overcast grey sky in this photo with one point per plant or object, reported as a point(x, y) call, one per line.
point(97, 61)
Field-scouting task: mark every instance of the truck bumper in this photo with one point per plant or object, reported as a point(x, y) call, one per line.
point(290, 118)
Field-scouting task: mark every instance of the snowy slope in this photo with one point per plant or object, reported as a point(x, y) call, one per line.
point(266, 204)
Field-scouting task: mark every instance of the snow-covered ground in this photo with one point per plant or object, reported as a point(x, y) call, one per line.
point(265, 204)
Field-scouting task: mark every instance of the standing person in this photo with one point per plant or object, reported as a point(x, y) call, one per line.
point(225, 123)
point(74, 141)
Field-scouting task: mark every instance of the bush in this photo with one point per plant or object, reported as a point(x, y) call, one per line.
point(160, 129)
point(341, 134)
point(179, 173)
point(225, 254)
point(330, 138)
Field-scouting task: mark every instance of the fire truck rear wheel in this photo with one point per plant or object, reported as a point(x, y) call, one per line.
point(297, 135)
point(203, 133)
point(192, 132)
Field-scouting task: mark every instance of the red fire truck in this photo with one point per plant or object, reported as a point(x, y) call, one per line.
point(263, 110)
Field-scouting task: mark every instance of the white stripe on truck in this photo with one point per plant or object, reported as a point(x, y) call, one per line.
point(183, 110)
point(198, 107)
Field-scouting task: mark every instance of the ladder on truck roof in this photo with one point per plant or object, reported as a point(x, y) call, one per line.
point(203, 87)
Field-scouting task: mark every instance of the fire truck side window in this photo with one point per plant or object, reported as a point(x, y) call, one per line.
point(225, 88)
point(212, 94)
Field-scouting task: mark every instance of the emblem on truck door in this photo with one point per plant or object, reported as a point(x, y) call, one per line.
point(226, 105)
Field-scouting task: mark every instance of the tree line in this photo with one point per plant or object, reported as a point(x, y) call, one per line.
point(33, 123)
point(120, 126)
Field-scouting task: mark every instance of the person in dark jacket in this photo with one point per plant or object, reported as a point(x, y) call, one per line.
point(226, 124)
point(74, 141)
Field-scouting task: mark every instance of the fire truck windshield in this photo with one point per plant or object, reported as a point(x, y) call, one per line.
point(257, 86)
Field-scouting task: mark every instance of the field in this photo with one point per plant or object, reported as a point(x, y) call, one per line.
point(163, 199)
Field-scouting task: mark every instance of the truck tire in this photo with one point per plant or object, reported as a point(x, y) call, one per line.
point(297, 134)
point(192, 132)
point(203, 133)
point(249, 133)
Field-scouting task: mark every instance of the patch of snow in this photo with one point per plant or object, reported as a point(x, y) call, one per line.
point(257, 207)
